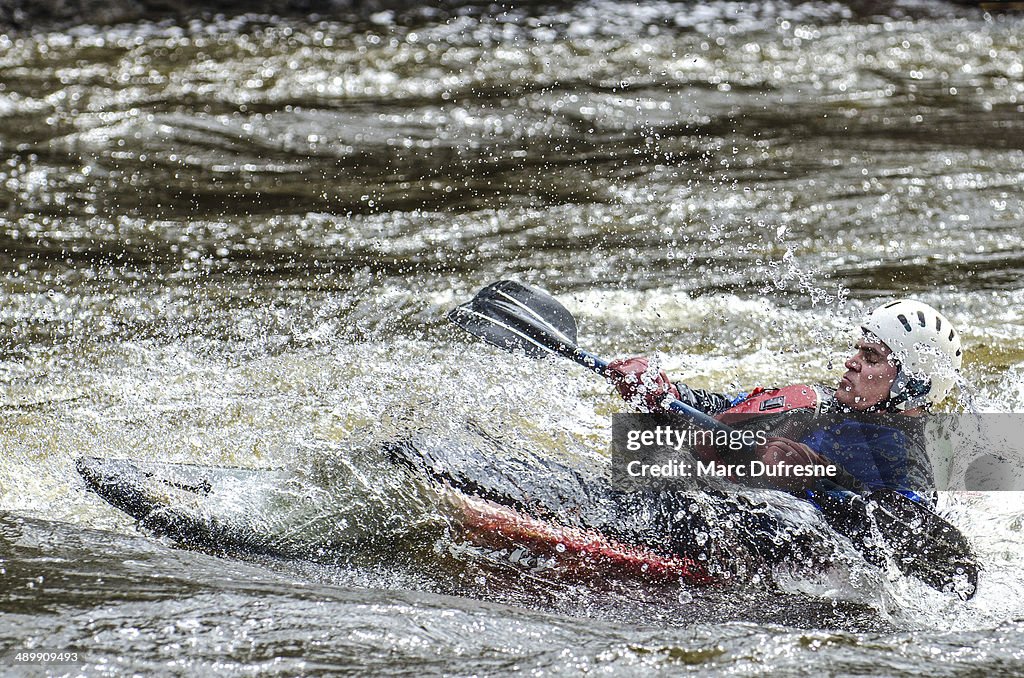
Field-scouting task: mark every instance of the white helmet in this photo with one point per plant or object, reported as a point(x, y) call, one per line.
point(926, 348)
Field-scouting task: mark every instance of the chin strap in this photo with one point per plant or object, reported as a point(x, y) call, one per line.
point(907, 393)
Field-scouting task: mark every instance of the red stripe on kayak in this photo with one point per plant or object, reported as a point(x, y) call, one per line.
point(586, 551)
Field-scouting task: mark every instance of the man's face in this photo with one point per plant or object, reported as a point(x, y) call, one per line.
point(869, 375)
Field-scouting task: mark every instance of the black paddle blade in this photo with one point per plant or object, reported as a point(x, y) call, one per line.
point(515, 317)
point(925, 545)
point(921, 543)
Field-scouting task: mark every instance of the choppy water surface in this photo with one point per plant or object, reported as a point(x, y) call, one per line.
point(234, 242)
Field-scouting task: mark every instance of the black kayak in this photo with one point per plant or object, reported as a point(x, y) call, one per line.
point(731, 535)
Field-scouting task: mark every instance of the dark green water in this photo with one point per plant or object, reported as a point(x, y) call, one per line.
point(234, 242)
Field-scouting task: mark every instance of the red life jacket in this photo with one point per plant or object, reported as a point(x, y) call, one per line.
point(762, 401)
point(768, 410)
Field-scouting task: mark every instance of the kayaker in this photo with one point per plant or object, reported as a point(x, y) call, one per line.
point(906, 362)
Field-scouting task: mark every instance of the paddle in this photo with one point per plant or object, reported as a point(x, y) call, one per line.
point(516, 318)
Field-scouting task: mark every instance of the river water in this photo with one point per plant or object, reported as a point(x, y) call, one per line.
point(233, 242)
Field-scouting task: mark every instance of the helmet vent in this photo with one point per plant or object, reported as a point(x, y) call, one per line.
point(952, 333)
point(906, 323)
point(920, 318)
point(938, 324)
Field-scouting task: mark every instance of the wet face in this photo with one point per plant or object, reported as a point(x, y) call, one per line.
point(869, 375)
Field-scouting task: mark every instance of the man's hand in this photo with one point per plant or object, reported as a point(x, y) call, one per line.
point(786, 452)
point(639, 385)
